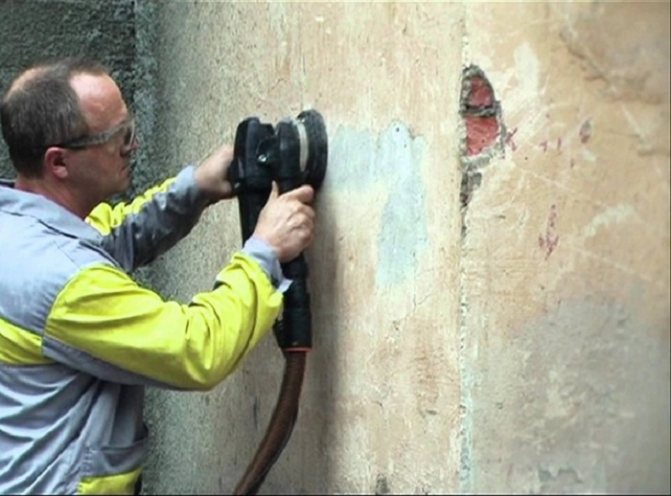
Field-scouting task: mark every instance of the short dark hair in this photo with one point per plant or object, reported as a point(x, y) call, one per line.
point(44, 110)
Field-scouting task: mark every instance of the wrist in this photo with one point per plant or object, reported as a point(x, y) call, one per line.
point(264, 254)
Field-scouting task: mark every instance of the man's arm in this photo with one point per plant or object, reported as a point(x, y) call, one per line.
point(136, 233)
point(105, 324)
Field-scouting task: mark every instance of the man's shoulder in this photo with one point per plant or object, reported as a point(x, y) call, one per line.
point(36, 263)
point(33, 249)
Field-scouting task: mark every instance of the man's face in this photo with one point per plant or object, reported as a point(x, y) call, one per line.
point(102, 170)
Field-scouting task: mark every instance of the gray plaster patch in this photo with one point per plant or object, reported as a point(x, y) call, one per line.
point(574, 402)
point(403, 233)
point(360, 161)
point(353, 163)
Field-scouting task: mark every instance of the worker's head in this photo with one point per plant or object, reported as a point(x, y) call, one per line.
point(66, 122)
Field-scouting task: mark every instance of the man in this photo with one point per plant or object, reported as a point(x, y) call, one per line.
point(79, 339)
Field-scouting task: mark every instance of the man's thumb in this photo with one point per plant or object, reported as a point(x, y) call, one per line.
point(274, 191)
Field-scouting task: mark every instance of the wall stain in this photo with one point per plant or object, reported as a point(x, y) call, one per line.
point(381, 485)
point(585, 132)
point(550, 240)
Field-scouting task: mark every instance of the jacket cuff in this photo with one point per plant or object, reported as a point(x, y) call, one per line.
point(187, 178)
point(266, 257)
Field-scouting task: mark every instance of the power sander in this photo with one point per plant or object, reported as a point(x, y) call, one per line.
point(292, 153)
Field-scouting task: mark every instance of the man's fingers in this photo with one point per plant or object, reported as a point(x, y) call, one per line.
point(303, 194)
point(308, 211)
point(274, 191)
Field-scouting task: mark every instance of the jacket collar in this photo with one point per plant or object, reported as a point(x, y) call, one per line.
point(45, 211)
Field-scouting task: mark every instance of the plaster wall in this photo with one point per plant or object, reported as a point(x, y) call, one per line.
point(526, 352)
point(565, 261)
point(510, 335)
point(381, 399)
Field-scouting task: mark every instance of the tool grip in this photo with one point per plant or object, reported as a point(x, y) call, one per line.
point(250, 206)
point(294, 331)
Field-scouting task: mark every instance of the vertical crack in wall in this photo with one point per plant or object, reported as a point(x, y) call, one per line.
point(465, 387)
point(482, 134)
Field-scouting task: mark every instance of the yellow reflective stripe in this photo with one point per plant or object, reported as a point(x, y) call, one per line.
point(110, 484)
point(105, 217)
point(103, 312)
point(20, 347)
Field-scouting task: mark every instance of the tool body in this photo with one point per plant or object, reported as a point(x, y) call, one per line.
point(292, 153)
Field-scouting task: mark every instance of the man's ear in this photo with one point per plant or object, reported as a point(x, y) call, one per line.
point(55, 162)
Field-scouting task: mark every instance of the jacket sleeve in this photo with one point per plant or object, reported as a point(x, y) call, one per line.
point(105, 324)
point(136, 233)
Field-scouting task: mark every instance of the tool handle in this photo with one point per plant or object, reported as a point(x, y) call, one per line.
point(294, 331)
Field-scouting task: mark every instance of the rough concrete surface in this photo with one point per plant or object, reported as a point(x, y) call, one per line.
point(32, 30)
point(516, 342)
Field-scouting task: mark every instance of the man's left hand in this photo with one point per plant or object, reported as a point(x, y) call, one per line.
point(212, 174)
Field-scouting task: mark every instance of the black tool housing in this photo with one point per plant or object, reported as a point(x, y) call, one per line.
point(292, 153)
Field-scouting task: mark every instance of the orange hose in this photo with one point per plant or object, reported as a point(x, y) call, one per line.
point(280, 427)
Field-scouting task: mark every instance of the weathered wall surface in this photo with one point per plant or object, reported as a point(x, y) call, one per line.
point(380, 407)
point(507, 334)
point(565, 263)
point(528, 352)
point(31, 30)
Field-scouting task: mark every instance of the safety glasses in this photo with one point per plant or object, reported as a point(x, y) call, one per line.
point(127, 127)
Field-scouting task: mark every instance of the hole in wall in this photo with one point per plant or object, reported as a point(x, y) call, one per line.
point(480, 112)
point(482, 129)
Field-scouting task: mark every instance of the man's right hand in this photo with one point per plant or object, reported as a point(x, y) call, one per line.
point(286, 222)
